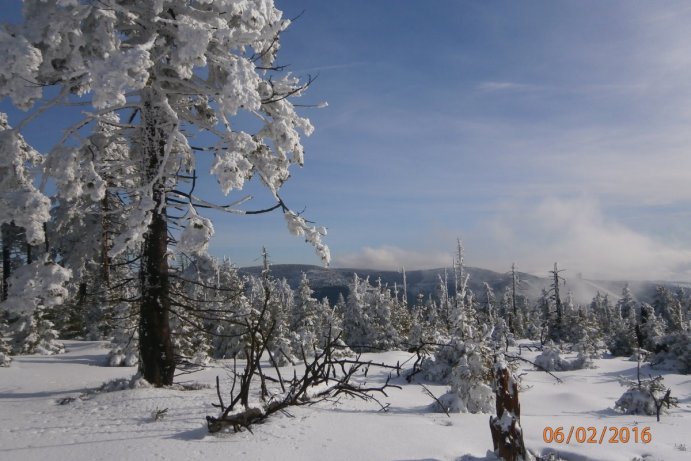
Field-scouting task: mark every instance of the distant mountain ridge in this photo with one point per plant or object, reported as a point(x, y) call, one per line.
point(332, 281)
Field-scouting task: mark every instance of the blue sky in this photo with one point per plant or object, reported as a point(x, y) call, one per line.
point(537, 131)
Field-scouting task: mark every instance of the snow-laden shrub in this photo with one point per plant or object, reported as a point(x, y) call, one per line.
point(5, 359)
point(587, 352)
point(470, 382)
point(438, 368)
point(581, 361)
point(645, 397)
point(636, 401)
point(5, 347)
point(550, 359)
point(123, 384)
point(34, 334)
point(124, 346)
point(123, 357)
point(5, 351)
point(674, 353)
point(192, 344)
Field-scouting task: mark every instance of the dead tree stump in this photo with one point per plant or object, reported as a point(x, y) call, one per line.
point(507, 435)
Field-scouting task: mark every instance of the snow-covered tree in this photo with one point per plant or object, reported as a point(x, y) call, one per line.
point(556, 319)
point(158, 73)
point(306, 322)
point(35, 334)
point(82, 227)
point(550, 358)
point(355, 316)
point(501, 335)
point(124, 345)
point(669, 307)
point(14, 249)
point(445, 306)
point(470, 389)
point(650, 328)
point(38, 285)
point(603, 313)
point(512, 301)
point(401, 319)
point(674, 353)
point(282, 336)
point(626, 305)
point(228, 298)
point(464, 360)
point(487, 314)
point(645, 396)
point(622, 340)
point(22, 203)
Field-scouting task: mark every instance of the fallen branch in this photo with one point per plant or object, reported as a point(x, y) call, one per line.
point(319, 373)
point(428, 392)
point(515, 357)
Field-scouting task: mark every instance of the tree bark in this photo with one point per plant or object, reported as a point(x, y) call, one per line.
point(105, 241)
point(156, 362)
point(6, 264)
point(507, 435)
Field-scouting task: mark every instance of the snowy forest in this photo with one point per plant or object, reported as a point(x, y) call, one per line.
point(116, 319)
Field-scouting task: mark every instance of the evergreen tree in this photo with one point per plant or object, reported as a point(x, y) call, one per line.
point(622, 341)
point(555, 320)
point(626, 305)
point(35, 334)
point(501, 335)
point(669, 308)
point(543, 315)
point(603, 312)
point(401, 319)
point(650, 328)
point(514, 314)
point(13, 252)
point(124, 344)
point(470, 389)
point(307, 319)
point(355, 316)
point(445, 301)
point(282, 338)
point(382, 334)
point(487, 315)
point(685, 301)
point(168, 70)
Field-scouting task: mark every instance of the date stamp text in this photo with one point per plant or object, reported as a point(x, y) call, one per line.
point(596, 435)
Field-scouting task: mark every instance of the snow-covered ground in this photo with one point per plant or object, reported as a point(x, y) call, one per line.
point(120, 425)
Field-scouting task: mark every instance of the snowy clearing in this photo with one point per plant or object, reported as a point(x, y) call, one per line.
point(121, 425)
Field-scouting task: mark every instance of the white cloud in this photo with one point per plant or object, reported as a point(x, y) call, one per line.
point(576, 233)
point(387, 257)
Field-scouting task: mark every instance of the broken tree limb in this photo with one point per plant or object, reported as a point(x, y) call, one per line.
point(318, 382)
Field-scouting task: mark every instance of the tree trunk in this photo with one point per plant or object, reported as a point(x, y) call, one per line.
point(156, 362)
point(507, 435)
point(6, 261)
point(105, 241)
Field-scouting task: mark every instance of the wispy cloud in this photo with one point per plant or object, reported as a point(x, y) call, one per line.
point(578, 234)
point(327, 67)
point(388, 257)
point(491, 86)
